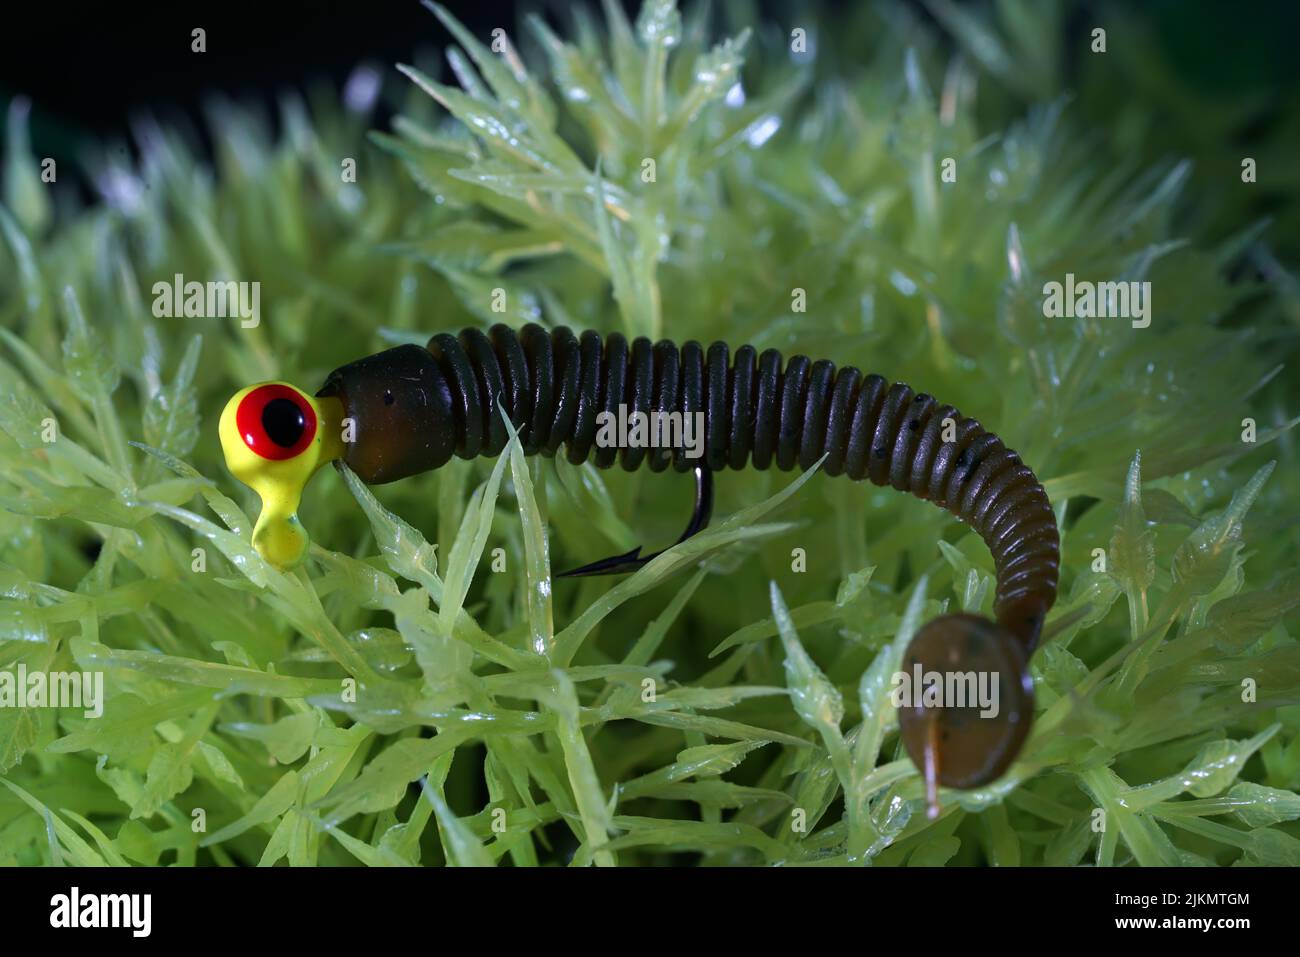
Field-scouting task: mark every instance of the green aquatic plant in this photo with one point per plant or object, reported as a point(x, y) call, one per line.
point(422, 691)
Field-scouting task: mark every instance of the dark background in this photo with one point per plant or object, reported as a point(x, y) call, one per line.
point(1226, 73)
point(88, 67)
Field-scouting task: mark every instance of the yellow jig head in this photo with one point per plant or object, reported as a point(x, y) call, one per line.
point(275, 437)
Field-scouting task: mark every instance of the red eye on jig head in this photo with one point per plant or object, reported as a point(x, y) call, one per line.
point(275, 422)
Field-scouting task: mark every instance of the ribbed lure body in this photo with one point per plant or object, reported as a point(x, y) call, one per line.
point(414, 408)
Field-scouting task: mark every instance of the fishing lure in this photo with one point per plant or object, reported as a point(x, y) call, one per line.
point(410, 409)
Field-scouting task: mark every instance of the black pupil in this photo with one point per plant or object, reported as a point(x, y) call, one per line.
point(284, 422)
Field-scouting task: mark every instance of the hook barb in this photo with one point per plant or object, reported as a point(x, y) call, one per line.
point(631, 561)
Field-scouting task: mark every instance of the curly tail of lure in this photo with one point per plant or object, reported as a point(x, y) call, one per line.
point(410, 409)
